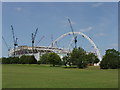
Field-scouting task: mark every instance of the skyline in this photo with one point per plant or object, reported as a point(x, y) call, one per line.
point(96, 20)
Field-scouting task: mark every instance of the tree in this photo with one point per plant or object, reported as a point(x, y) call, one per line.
point(66, 60)
point(5, 60)
point(78, 57)
point(77, 53)
point(104, 63)
point(32, 60)
point(28, 59)
point(14, 60)
point(0, 60)
point(23, 59)
point(92, 59)
point(82, 62)
point(54, 59)
point(110, 59)
point(10, 60)
point(43, 59)
point(119, 62)
point(96, 60)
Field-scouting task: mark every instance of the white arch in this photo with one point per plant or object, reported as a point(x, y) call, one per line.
point(80, 33)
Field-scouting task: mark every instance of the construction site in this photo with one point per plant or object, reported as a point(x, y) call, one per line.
point(37, 51)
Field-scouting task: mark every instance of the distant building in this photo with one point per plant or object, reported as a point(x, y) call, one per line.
point(38, 51)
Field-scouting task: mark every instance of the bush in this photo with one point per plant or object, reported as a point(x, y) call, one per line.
point(23, 59)
point(92, 59)
point(119, 63)
point(43, 59)
point(5, 60)
point(82, 62)
point(104, 64)
point(32, 60)
point(0, 60)
point(54, 59)
point(10, 60)
point(110, 60)
point(14, 60)
point(96, 60)
point(28, 59)
point(66, 60)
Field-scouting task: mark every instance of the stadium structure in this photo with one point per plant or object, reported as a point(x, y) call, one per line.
point(37, 51)
point(40, 50)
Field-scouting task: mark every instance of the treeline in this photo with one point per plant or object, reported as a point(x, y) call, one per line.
point(78, 58)
point(81, 59)
point(0, 60)
point(22, 60)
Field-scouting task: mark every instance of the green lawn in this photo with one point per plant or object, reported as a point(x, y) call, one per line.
point(41, 76)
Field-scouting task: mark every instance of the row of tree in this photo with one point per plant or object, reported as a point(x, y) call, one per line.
point(81, 59)
point(22, 60)
point(78, 58)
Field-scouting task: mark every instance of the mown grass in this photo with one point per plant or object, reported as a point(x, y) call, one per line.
point(44, 76)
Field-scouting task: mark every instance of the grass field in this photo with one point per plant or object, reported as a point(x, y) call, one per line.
point(41, 76)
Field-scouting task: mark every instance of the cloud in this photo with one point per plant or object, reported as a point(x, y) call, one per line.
point(97, 5)
point(100, 34)
point(18, 8)
point(86, 30)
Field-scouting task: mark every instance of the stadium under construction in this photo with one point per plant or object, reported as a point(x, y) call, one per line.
point(37, 51)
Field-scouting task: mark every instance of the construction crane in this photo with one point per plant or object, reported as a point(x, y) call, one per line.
point(75, 37)
point(52, 40)
point(14, 39)
point(33, 39)
point(40, 40)
point(6, 45)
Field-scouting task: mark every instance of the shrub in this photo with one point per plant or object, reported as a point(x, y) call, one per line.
point(66, 60)
point(110, 60)
point(14, 60)
point(28, 59)
point(54, 59)
point(32, 60)
point(5, 60)
point(10, 60)
point(23, 59)
point(43, 59)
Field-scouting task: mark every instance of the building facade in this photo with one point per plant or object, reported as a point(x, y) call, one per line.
point(37, 51)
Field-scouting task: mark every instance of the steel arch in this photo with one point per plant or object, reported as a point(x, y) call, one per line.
point(82, 34)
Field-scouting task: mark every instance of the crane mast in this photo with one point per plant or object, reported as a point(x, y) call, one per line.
point(52, 40)
point(14, 39)
point(6, 45)
point(75, 37)
point(33, 39)
point(40, 40)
